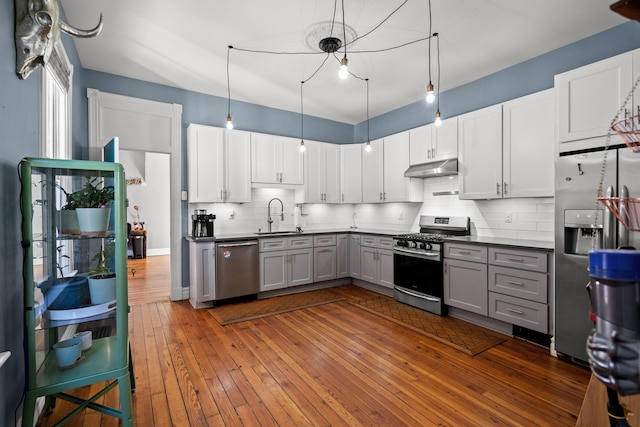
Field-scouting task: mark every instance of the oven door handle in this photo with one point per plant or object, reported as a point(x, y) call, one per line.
point(417, 295)
point(420, 254)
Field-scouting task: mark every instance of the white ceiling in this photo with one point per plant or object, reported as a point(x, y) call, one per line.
point(184, 44)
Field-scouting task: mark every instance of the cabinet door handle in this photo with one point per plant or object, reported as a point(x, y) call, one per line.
point(433, 153)
point(505, 188)
point(464, 252)
point(515, 259)
point(222, 195)
point(428, 153)
point(384, 196)
point(515, 283)
point(497, 188)
point(343, 197)
point(515, 311)
point(325, 250)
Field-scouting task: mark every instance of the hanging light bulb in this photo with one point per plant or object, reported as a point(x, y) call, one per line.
point(367, 146)
point(431, 94)
point(438, 120)
point(229, 122)
point(302, 147)
point(344, 68)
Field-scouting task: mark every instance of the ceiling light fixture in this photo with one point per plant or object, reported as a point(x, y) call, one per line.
point(431, 95)
point(302, 147)
point(367, 145)
point(438, 120)
point(229, 121)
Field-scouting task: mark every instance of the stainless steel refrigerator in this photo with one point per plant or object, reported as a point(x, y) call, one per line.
point(582, 224)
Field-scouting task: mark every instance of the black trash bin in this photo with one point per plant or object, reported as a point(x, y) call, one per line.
point(138, 244)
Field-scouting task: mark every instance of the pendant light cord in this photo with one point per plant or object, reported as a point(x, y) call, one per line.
point(228, 85)
point(344, 31)
point(430, 41)
point(301, 112)
point(437, 36)
point(368, 136)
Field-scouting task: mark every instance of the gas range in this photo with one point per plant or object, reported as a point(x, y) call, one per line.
point(418, 265)
point(433, 231)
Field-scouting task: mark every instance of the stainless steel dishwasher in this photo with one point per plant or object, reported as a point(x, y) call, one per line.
point(237, 269)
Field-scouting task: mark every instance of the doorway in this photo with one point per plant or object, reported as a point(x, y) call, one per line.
point(145, 126)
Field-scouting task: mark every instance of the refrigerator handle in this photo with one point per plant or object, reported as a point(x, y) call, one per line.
point(623, 233)
point(608, 224)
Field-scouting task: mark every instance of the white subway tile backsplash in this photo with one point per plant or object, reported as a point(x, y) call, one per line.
point(531, 219)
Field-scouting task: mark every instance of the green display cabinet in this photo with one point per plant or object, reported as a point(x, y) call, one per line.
point(62, 256)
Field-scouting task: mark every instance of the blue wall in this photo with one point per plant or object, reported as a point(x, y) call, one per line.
point(519, 80)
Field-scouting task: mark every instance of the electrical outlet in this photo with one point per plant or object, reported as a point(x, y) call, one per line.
point(401, 216)
point(508, 218)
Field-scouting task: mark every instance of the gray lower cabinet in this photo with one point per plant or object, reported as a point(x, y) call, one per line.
point(342, 255)
point(285, 262)
point(324, 263)
point(354, 256)
point(376, 260)
point(465, 285)
point(202, 273)
point(511, 285)
point(518, 287)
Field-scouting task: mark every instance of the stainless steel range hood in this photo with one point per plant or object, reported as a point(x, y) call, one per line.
point(433, 169)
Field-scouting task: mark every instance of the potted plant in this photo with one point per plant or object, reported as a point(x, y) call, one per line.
point(102, 281)
point(68, 223)
point(91, 205)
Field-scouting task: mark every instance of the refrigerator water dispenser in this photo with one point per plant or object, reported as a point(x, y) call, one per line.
point(582, 231)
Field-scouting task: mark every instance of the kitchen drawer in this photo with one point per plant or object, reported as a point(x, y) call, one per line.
point(530, 285)
point(368, 240)
point(474, 253)
point(385, 243)
point(324, 240)
point(518, 311)
point(528, 260)
point(300, 242)
point(273, 244)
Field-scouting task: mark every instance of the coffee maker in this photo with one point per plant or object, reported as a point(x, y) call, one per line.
point(202, 223)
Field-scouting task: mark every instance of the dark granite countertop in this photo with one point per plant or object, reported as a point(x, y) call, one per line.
point(500, 241)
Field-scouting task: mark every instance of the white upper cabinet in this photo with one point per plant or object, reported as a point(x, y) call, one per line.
point(351, 173)
point(507, 150)
point(322, 175)
point(589, 97)
point(218, 165)
point(528, 146)
point(432, 143)
point(372, 173)
point(480, 156)
point(398, 188)
point(276, 160)
point(383, 170)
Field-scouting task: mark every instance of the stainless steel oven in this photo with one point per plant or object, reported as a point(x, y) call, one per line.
point(417, 262)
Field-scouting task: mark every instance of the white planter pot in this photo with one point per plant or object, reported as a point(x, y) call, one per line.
point(68, 222)
point(93, 221)
point(102, 290)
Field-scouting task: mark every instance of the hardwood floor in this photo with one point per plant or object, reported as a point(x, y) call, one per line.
point(329, 365)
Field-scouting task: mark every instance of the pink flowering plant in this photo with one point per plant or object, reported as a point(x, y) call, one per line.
point(93, 194)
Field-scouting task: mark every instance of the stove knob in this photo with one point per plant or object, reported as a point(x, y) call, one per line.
point(401, 243)
point(425, 246)
point(412, 244)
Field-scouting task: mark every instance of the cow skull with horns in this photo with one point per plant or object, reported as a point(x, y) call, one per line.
point(38, 26)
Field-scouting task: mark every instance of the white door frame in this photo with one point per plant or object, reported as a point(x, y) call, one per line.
point(101, 103)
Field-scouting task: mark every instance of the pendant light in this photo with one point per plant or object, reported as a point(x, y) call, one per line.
point(367, 145)
point(438, 120)
point(431, 95)
point(302, 147)
point(344, 67)
point(229, 121)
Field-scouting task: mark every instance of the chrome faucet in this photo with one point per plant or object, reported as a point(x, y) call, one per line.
point(269, 219)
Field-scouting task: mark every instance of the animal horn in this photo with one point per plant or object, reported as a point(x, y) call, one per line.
point(81, 33)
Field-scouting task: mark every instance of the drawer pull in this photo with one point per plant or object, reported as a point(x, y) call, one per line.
point(464, 252)
point(515, 283)
point(515, 259)
point(515, 311)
